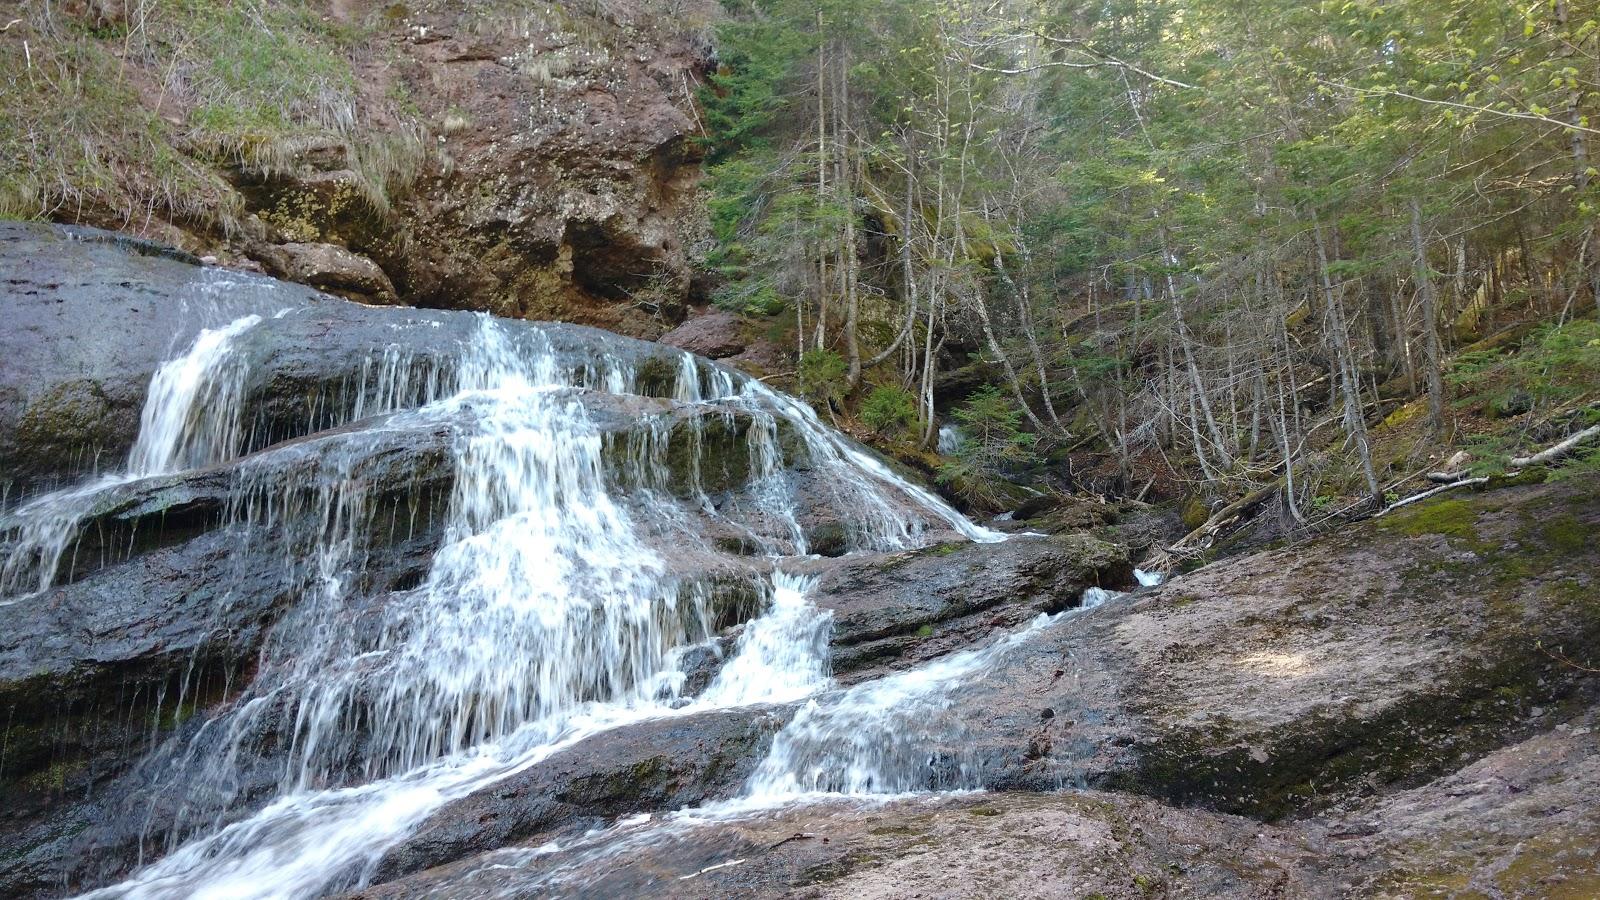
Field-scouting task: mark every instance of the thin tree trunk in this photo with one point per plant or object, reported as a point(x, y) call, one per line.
point(852, 262)
point(1431, 352)
point(822, 179)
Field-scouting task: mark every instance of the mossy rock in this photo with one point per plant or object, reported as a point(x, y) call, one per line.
point(1195, 512)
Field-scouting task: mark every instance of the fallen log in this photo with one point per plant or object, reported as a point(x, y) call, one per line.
point(1465, 482)
point(1226, 515)
point(1553, 453)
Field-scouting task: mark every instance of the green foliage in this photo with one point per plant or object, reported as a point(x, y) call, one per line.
point(744, 97)
point(821, 376)
point(995, 441)
point(1557, 363)
point(756, 298)
point(889, 410)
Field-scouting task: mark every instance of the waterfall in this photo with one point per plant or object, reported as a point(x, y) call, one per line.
point(192, 414)
point(553, 608)
point(871, 743)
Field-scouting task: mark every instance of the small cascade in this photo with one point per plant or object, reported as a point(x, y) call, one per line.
point(1096, 596)
point(951, 440)
point(1148, 579)
point(873, 742)
point(781, 656)
point(889, 736)
point(191, 417)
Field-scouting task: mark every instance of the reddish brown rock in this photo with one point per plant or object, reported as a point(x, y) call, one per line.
point(331, 268)
point(717, 334)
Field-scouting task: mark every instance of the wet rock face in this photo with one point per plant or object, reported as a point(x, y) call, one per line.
point(88, 317)
point(657, 765)
point(1065, 846)
point(890, 611)
point(180, 588)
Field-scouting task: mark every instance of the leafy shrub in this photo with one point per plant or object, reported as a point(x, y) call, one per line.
point(889, 409)
point(995, 441)
point(821, 376)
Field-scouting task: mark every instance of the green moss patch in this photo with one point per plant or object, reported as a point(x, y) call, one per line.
point(1449, 517)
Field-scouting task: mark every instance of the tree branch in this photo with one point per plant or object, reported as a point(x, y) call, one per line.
point(1528, 117)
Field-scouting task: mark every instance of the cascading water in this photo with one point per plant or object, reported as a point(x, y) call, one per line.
point(191, 417)
point(867, 744)
point(549, 610)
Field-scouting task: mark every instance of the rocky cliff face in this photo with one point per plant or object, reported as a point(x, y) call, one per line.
point(533, 160)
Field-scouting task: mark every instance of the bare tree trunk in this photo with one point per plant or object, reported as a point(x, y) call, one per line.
point(1288, 452)
point(1025, 314)
point(908, 278)
point(851, 261)
point(822, 179)
point(1431, 352)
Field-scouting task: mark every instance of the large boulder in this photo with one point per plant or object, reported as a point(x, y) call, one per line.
point(1279, 682)
point(717, 335)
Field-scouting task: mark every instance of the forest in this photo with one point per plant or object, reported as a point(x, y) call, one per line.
point(1232, 250)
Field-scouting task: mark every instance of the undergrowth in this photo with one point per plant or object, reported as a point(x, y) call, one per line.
point(1555, 365)
point(1549, 383)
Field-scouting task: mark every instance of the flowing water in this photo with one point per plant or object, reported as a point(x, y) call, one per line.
point(867, 745)
point(190, 418)
point(564, 587)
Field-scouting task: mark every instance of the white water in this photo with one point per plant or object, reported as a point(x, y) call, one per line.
point(192, 415)
point(875, 742)
point(1148, 579)
point(190, 418)
point(546, 616)
point(874, 737)
point(950, 439)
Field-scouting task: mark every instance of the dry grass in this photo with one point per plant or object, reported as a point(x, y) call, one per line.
point(116, 120)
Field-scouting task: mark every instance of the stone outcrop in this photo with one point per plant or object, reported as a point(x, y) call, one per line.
point(539, 161)
point(894, 610)
point(1280, 682)
point(717, 335)
point(558, 178)
point(657, 765)
point(330, 268)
